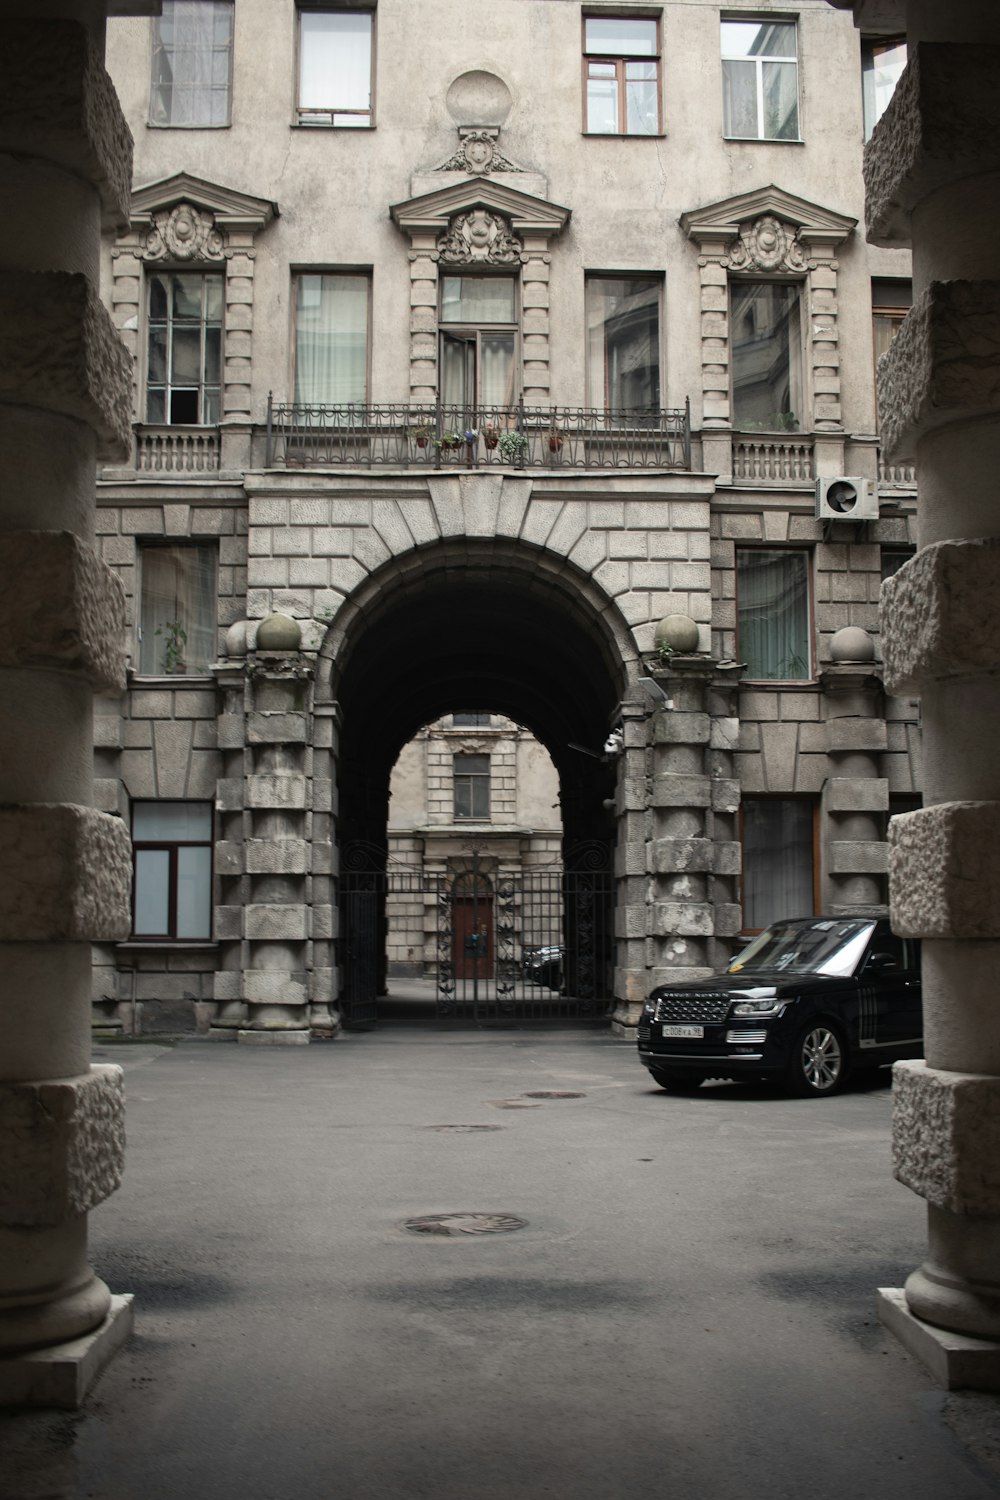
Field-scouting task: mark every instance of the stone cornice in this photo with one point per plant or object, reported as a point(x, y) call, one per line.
point(722, 220)
point(230, 209)
point(430, 213)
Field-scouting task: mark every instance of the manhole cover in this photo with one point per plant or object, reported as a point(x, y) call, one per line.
point(464, 1224)
point(462, 1129)
point(553, 1094)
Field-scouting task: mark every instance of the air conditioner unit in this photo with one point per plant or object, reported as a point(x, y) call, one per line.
point(844, 497)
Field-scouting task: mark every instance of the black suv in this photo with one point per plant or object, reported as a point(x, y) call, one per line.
point(806, 1001)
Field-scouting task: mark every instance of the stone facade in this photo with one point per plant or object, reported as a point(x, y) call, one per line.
point(532, 582)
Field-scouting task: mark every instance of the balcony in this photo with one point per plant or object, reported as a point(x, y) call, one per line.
point(176, 450)
point(443, 437)
point(772, 458)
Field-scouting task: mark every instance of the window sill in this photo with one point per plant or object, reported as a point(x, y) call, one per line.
point(329, 125)
point(762, 140)
point(155, 125)
point(150, 945)
point(623, 135)
point(170, 679)
point(780, 683)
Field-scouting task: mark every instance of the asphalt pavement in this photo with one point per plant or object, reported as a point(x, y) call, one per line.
point(644, 1295)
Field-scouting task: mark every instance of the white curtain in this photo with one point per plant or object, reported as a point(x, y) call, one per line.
point(773, 612)
point(335, 60)
point(178, 589)
point(331, 339)
point(191, 63)
point(777, 860)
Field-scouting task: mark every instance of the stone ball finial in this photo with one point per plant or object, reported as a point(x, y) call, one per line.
point(279, 633)
point(851, 643)
point(236, 639)
point(679, 632)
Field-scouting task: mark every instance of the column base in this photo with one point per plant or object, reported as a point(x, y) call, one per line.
point(274, 1038)
point(956, 1361)
point(62, 1375)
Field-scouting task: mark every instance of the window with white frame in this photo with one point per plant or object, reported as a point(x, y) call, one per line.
point(184, 313)
point(335, 67)
point(622, 75)
point(623, 342)
point(192, 64)
point(773, 616)
point(779, 862)
point(760, 80)
point(882, 62)
point(331, 337)
point(177, 608)
point(478, 326)
point(472, 787)
point(172, 881)
point(765, 355)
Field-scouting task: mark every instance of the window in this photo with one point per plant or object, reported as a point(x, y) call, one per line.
point(335, 68)
point(177, 630)
point(192, 64)
point(622, 75)
point(882, 62)
point(478, 340)
point(766, 356)
point(779, 866)
point(772, 614)
point(172, 887)
point(894, 558)
point(623, 342)
point(760, 84)
point(472, 787)
point(331, 338)
point(184, 347)
point(471, 720)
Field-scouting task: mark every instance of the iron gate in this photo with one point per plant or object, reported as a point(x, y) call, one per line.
point(532, 943)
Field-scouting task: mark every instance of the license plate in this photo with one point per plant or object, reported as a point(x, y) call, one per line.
point(689, 1033)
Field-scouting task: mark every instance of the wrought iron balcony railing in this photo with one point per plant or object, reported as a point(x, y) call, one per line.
point(438, 436)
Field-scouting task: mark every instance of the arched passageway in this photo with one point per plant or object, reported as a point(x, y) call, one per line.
point(503, 626)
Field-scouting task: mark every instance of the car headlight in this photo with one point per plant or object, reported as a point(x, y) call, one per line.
point(758, 1008)
point(650, 1006)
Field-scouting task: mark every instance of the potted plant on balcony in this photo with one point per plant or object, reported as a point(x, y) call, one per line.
point(511, 447)
point(422, 433)
point(555, 438)
point(449, 440)
point(491, 435)
point(174, 640)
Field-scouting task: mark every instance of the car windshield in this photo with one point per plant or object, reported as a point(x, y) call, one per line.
point(822, 947)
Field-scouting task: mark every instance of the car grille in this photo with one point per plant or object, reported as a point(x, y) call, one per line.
point(692, 1008)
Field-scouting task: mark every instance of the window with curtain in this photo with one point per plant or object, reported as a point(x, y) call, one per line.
point(760, 80)
point(882, 62)
point(335, 68)
point(478, 341)
point(766, 356)
point(192, 64)
point(472, 787)
point(331, 338)
point(177, 609)
point(622, 75)
point(172, 871)
point(623, 342)
point(184, 347)
point(779, 867)
point(772, 614)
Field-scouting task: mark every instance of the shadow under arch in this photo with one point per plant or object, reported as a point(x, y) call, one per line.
point(491, 624)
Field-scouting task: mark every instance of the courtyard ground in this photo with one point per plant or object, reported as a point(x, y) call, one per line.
point(688, 1310)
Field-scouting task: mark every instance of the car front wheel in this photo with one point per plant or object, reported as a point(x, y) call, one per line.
point(819, 1061)
point(678, 1081)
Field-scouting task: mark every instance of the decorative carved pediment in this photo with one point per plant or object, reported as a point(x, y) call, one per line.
point(479, 237)
point(187, 218)
point(479, 153)
point(767, 229)
point(439, 211)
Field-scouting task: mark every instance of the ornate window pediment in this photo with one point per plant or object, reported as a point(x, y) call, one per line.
point(766, 230)
point(439, 212)
point(185, 218)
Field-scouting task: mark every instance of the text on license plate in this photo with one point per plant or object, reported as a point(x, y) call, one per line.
point(692, 1033)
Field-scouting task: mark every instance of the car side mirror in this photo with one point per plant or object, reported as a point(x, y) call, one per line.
point(883, 961)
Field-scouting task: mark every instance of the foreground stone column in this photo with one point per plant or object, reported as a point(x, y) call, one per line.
point(65, 869)
point(933, 175)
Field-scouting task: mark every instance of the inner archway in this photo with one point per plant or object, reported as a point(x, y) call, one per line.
point(504, 625)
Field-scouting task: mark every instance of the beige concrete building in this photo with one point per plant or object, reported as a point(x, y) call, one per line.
point(449, 576)
point(480, 383)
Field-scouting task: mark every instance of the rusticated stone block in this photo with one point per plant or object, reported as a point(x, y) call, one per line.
point(229, 858)
point(944, 871)
point(944, 364)
point(849, 736)
point(60, 351)
point(65, 874)
point(682, 919)
point(277, 857)
point(942, 615)
point(675, 856)
point(73, 117)
point(946, 1138)
point(728, 919)
point(681, 729)
point(942, 123)
point(848, 794)
point(62, 1146)
point(278, 923)
point(272, 790)
point(727, 857)
point(681, 791)
point(276, 729)
point(725, 794)
point(275, 987)
point(61, 608)
point(857, 857)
